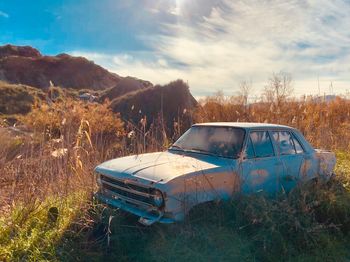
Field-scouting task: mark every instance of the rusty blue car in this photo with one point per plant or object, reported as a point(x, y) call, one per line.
point(211, 161)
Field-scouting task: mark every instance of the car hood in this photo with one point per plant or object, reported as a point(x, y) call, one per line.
point(163, 166)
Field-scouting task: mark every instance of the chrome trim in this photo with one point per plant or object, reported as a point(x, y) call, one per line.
point(129, 208)
point(125, 181)
point(126, 189)
point(131, 200)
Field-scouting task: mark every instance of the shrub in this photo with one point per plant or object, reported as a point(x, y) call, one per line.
point(17, 99)
point(65, 117)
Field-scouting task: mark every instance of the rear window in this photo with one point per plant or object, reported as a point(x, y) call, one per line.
point(262, 144)
point(286, 143)
point(298, 148)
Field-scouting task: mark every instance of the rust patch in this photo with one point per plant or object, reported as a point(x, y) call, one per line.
point(259, 176)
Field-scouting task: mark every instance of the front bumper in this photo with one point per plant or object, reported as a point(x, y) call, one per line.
point(146, 218)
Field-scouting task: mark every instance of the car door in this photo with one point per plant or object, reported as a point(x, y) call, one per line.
point(291, 155)
point(260, 166)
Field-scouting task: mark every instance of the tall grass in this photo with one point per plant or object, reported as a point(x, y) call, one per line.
point(325, 124)
point(48, 165)
point(47, 161)
point(51, 165)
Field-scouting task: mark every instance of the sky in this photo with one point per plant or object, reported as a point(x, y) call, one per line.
point(213, 45)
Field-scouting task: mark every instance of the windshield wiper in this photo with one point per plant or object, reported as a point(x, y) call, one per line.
point(177, 147)
point(194, 150)
point(201, 151)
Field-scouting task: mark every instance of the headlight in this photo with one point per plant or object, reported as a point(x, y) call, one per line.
point(157, 197)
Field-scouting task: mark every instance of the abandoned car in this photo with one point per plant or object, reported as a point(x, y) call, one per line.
point(210, 161)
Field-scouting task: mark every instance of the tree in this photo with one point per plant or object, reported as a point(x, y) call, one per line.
point(278, 89)
point(245, 88)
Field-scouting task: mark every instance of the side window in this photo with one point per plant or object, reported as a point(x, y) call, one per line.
point(262, 143)
point(249, 152)
point(284, 142)
point(298, 148)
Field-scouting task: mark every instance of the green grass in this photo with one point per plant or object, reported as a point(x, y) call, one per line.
point(29, 234)
point(310, 224)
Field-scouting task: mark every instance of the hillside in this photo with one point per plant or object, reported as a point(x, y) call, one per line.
point(25, 73)
point(26, 65)
point(124, 86)
point(18, 99)
point(172, 102)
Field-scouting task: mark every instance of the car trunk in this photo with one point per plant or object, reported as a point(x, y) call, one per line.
point(327, 162)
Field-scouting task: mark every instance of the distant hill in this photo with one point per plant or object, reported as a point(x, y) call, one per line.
point(325, 98)
point(173, 101)
point(23, 51)
point(26, 65)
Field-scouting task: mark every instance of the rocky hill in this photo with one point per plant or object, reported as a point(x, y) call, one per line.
point(27, 76)
point(26, 65)
point(23, 51)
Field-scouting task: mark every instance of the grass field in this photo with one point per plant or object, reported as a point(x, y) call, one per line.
point(310, 224)
point(47, 212)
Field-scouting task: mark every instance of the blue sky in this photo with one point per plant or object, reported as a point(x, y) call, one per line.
point(212, 44)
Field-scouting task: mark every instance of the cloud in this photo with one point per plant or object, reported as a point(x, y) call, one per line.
point(3, 14)
point(215, 44)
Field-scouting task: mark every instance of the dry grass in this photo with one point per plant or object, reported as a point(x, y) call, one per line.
point(50, 164)
point(325, 124)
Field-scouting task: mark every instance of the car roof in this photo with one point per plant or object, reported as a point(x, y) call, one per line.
point(246, 125)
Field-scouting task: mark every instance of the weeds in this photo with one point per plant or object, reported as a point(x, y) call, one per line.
point(28, 233)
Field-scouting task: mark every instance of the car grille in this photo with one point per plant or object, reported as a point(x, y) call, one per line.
point(128, 192)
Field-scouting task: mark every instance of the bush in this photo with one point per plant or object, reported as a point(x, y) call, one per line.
point(17, 99)
point(64, 118)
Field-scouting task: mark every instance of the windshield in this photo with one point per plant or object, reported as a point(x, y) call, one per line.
point(212, 140)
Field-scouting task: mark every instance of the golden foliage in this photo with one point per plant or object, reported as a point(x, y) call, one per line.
point(58, 118)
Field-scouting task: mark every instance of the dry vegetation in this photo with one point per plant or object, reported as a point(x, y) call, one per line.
point(326, 124)
point(57, 149)
point(47, 180)
point(18, 99)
